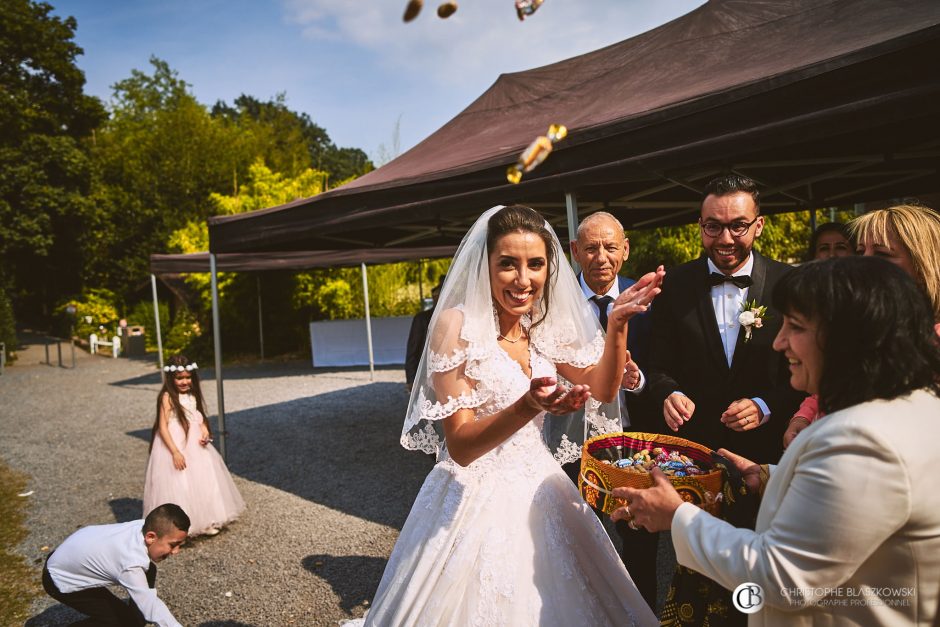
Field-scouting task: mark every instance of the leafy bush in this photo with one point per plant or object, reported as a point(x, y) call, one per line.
point(182, 334)
point(93, 310)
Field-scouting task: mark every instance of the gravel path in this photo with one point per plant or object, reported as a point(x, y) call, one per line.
point(310, 452)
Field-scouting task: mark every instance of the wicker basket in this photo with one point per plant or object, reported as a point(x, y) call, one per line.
point(598, 479)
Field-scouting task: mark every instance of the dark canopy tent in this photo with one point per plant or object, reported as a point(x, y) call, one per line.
point(823, 102)
point(258, 262)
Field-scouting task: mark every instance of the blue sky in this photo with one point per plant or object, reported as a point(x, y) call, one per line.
point(352, 65)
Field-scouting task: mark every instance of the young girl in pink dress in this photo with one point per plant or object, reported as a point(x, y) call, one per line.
point(184, 468)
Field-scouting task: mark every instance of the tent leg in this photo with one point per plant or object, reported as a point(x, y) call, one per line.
point(156, 318)
point(365, 296)
point(571, 203)
point(217, 344)
point(421, 282)
point(260, 319)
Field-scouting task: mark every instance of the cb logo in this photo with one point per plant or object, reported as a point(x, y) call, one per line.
point(748, 598)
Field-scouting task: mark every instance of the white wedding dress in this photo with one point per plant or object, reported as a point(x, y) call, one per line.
point(506, 540)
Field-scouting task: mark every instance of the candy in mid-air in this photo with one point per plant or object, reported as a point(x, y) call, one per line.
point(535, 153)
point(446, 10)
point(527, 7)
point(412, 10)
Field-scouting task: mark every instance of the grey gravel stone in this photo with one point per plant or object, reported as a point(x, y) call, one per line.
point(315, 454)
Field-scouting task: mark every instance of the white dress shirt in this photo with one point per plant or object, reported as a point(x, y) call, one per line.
point(613, 292)
point(102, 555)
point(727, 300)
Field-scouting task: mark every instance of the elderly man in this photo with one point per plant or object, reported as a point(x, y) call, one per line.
point(601, 249)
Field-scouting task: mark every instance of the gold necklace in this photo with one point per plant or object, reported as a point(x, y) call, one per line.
point(503, 337)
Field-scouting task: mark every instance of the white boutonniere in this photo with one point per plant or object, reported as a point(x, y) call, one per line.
point(752, 317)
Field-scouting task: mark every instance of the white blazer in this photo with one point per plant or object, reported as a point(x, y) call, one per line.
point(848, 531)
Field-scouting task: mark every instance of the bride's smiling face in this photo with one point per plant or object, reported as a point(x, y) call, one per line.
point(518, 271)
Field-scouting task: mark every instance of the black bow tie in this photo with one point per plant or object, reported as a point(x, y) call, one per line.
point(742, 281)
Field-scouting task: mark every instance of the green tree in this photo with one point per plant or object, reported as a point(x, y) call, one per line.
point(274, 125)
point(285, 326)
point(159, 158)
point(44, 166)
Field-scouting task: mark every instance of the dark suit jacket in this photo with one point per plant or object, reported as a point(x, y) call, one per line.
point(686, 355)
point(417, 336)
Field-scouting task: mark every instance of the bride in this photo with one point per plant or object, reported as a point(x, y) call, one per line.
point(498, 534)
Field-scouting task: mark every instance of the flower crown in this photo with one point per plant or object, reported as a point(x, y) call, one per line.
point(187, 368)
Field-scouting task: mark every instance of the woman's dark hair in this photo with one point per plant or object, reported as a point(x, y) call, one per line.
point(169, 389)
point(520, 219)
point(828, 227)
point(875, 329)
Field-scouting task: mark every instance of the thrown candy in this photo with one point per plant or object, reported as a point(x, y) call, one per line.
point(536, 153)
point(412, 10)
point(446, 10)
point(527, 7)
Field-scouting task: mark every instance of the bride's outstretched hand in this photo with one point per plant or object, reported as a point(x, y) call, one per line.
point(546, 394)
point(637, 298)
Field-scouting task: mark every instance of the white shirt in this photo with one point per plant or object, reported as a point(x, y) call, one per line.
point(727, 300)
point(102, 555)
point(613, 292)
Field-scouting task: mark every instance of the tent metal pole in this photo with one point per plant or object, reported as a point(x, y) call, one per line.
point(156, 319)
point(571, 203)
point(217, 344)
point(365, 296)
point(260, 319)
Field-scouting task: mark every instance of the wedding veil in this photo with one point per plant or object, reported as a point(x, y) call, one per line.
point(570, 333)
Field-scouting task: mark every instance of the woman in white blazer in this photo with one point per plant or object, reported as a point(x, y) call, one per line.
point(848, 531)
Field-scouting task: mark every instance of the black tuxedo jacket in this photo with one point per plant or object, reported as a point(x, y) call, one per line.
point(686, 355)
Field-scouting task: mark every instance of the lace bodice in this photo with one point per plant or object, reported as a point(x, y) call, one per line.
point(188, 402)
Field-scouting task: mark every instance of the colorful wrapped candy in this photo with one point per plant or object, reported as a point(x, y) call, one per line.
point(525, 8)
point(536, 153)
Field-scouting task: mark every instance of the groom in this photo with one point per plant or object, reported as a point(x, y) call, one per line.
point(715, 385)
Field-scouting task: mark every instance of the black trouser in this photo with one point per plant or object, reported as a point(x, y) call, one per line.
point(640, 549)
point(99, 604)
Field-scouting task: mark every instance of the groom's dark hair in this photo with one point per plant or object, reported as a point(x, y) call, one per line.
point(875, 329)
point(732, 184)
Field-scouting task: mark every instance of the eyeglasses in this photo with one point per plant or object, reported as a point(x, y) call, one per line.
point(737, 229)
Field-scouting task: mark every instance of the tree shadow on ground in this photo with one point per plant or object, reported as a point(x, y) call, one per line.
point(126, 509)
point(339, 449)
point(353, 578)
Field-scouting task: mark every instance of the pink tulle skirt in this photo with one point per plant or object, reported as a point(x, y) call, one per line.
point(204, 490)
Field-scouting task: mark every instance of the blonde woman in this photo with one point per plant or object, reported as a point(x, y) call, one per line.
point(907, 236)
